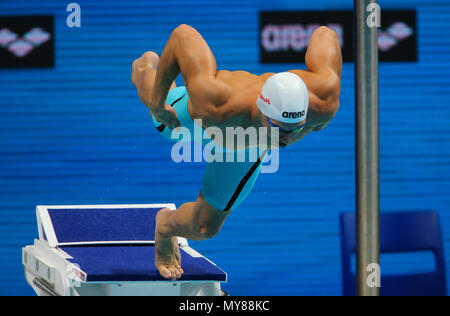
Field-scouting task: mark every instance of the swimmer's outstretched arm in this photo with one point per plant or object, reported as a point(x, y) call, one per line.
point(187, 52)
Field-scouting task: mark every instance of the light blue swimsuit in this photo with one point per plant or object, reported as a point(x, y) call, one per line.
point(226, 184)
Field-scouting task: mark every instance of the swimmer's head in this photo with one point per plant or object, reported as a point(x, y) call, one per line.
point(284, 98)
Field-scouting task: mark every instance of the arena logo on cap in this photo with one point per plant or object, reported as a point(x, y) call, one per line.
point(293, 115)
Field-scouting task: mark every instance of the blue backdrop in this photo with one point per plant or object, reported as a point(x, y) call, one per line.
point(77, 134)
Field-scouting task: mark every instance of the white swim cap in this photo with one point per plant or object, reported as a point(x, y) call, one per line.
point(284, 97)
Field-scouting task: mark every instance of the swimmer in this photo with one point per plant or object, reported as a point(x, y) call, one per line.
point(296, 102)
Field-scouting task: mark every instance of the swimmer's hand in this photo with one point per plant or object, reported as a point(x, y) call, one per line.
point(167, 115)
point(143, 78)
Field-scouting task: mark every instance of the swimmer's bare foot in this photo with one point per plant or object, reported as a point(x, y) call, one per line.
point(167, 251)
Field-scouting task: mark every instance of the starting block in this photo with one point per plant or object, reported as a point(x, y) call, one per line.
point(108, 250)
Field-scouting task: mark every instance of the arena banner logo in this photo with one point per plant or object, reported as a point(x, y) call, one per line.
point(26, 41)
point(285, 35)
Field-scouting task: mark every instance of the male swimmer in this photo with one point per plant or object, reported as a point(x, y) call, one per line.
point(296, 101)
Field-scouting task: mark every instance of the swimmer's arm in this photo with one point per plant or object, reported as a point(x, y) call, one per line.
point(324, 64)
point(324, 54)
point(187, 52)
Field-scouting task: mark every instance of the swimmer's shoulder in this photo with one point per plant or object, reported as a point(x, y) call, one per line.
point(267, 75)
point(238, 75)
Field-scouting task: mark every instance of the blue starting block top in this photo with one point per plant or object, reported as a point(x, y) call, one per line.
point(116, 243)
point(104, 225)
point(136, 263)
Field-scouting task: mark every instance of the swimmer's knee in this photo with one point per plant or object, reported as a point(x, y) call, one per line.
point(208, 220)
point(208, 231)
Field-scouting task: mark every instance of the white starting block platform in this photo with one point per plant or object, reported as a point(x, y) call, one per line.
point(108, 250)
